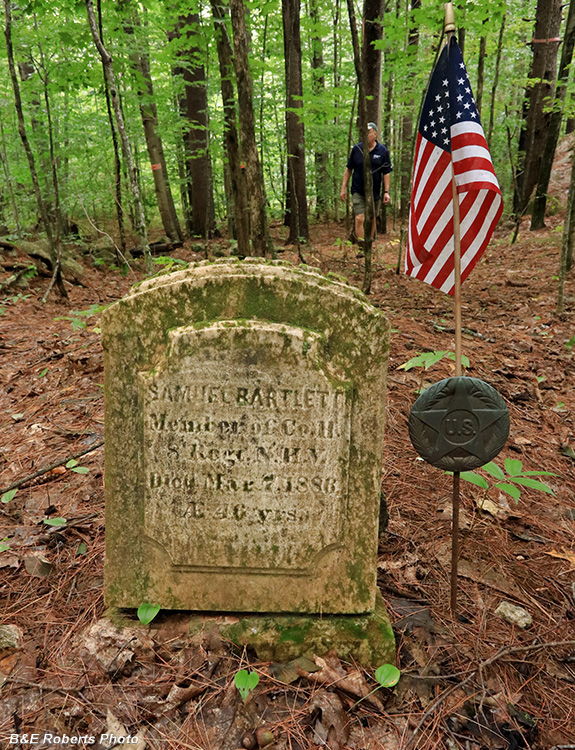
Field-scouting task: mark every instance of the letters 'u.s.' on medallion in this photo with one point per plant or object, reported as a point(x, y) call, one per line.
point(459, 424)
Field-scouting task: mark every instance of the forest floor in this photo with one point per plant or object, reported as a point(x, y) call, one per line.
point(473, 681)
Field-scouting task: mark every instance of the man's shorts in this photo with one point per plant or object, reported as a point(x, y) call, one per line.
point(359, 205)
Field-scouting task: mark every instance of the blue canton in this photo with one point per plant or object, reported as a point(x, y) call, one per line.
point(449, 98)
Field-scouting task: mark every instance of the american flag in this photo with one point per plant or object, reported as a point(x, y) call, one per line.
point(450, 130)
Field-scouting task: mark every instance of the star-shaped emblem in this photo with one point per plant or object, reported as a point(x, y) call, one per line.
point(459, 424)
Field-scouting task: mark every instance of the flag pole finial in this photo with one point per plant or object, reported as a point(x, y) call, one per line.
point(449, 23)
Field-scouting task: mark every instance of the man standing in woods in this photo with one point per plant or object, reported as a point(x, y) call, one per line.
point(380, 169)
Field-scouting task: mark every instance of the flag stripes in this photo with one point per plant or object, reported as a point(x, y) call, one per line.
point(450, 142)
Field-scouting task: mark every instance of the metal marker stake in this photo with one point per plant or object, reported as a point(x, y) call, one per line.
point(449, 29)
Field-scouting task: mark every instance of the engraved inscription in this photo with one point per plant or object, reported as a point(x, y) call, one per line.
point(245, 450)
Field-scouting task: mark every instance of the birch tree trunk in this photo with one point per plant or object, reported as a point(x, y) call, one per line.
point(140, 222)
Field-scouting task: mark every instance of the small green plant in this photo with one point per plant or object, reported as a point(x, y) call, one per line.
point(428, 359)
point(7, 496)
point(387, 675)
point(509, 480)
point(246, 682)
point(77, 318)
point(168, 263)
point(147, 612)
point(55, 521)
point(339, 242)
point(570, 344)
point(73, 466)
point(4, 546)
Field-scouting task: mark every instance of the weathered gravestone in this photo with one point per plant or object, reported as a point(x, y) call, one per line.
point(244, 436)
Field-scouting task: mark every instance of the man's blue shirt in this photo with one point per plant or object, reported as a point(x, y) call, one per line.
point(380, 165)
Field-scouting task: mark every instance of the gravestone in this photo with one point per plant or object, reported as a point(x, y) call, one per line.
point(244, 436)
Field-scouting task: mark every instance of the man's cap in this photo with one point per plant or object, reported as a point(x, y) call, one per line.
point(372, 125)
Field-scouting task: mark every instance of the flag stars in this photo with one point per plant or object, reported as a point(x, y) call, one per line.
point(467, 105)
point(461, 81)
point(445, 82)
point(438, 98)
point(474, 115)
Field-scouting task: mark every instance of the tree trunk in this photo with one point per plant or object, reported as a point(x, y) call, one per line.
point(363, 120)
point(336, 81)
point(117, 163)
point(231, 140)
point(140, 59)
point(8, 180)
point(295, 135)
point(480, 73)
point(536, 121)
point(538, 217)
point(140, 222)
point(259, 231)
point(373, 13)
point(199, 164)
point(566, 256)
point(496, 79)
point(55, 250)
point(407, 149)
point(321, 157)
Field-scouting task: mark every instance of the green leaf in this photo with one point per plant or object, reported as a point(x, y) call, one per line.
point(513, 466)
point(7, 496)
point(533, 484)
point(44, 371)
point(55, 521)
point(71, 463)
point(245, 682)
point(82, 549)
point(147, 612)
point(477, 479)
point(494, 470)
point(464, 360)
point(81, 469)
point(537, 474)
point(4, 546)
point(515, 492)
point(387, 675)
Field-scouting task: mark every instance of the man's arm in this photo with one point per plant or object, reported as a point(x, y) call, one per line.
point(344, 183)
point(386, 186)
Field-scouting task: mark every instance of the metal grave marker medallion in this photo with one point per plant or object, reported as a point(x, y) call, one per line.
point(459, 424)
